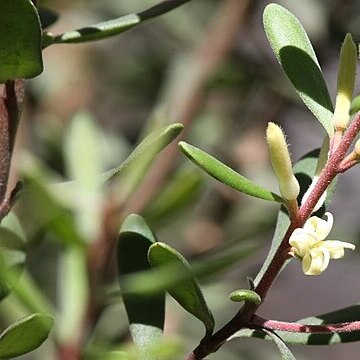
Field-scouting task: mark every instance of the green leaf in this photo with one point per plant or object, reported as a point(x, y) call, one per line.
point(284, 350)
point(12, 250)
point(180, 192)
point(25, 335)
point(355, 105)
point(81, 153)
point(47, 212)
point(187, 291)
point(83, 163)
point(345, 315)
point(296, 55)
point(20, 40)
point(115, 26)
point(73, 284)
point(146, 151)
point(146, 312)
point(204, 268)
point(226, 175)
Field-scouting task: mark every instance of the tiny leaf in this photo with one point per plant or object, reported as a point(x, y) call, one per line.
point(296, 56)
point(245, 295)
point(20, 40)
point(186, 291)
point(146, 312)
point(25, 335)
point(226, 175)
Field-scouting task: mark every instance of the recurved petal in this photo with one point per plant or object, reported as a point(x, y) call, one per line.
point(336, 248)
point(318, 227)
point(315, 261)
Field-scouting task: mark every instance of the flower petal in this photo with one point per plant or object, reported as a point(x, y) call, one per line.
point(301, 241)
point(319, 228)
point(336, 248)
point(315, 261)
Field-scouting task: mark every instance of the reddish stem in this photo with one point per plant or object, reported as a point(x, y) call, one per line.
point(307, 329)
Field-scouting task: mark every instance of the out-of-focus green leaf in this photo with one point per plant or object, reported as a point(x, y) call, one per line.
point(296, 55)
point(345, 315)
point(131, 170)
point(146, 312)
point(186, 292)
point(12, 251)
point(48, 212)
point(25, 335)
point(355, 105)
point(82, 156)
point(20, 40)
point(226, 175)
point(73, 284)
point(146, 151)
point(83, 162)
point(115, 26)
point(181, 191)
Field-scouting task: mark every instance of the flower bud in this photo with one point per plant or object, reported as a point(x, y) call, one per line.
point(281, 162)
point(345, 86)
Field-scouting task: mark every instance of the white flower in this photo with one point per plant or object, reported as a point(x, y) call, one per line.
point(308, 244)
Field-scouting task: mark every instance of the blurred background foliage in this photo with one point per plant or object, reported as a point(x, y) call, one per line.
point(208, 65)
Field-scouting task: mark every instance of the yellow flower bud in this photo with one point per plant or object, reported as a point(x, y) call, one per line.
point(281, 162)
point(346, 80)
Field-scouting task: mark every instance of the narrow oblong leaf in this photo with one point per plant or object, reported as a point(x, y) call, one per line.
point(186, 291)
point(115, 26)
point(146, 312)
point(285, 352)
point(25, 335)
point(226, 175)
point(293, 49)
point(146, 151)
point(99, 31)
point(20, 40)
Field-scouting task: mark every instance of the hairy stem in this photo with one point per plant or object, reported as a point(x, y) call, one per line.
point(306, 329)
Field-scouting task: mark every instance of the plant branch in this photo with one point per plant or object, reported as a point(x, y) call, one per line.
point(337, 328)
point(11, 99)
point(245, 316)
